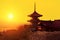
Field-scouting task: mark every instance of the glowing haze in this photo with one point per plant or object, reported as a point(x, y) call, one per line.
point(14, 12)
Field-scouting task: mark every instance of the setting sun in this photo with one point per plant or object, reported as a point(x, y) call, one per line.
point(10, 16)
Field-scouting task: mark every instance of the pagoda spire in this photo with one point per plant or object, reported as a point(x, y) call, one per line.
point(35, 14)
point(34, 6)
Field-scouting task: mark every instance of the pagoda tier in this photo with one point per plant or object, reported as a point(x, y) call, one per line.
point(35, 14)
point(34, 20)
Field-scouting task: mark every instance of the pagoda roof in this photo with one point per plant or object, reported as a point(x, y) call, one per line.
point(35, 14)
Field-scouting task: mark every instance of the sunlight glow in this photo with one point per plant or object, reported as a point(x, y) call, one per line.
point(10, 16)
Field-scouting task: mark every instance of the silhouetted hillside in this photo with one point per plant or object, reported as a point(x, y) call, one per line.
point(24, 33)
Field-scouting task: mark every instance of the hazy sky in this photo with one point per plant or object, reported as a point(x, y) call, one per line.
point(14, 12)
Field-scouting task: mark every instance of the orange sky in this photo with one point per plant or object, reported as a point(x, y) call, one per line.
point(14, 12)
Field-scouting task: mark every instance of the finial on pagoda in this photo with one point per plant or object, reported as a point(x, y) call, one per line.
point(34, 6)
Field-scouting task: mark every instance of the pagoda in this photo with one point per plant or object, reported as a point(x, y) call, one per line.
point(34, 21)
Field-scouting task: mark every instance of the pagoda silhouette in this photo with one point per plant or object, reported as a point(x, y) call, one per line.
point(35, 20)
point(42, 25)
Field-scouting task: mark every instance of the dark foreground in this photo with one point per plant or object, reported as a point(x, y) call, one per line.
point(26, 34)
point(45, 36)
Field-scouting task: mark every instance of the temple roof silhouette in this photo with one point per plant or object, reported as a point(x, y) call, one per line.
point(35, 14)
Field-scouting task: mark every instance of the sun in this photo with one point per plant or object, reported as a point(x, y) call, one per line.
point(10, 16)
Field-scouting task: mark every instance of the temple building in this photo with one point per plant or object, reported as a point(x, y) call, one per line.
point(43, 25)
